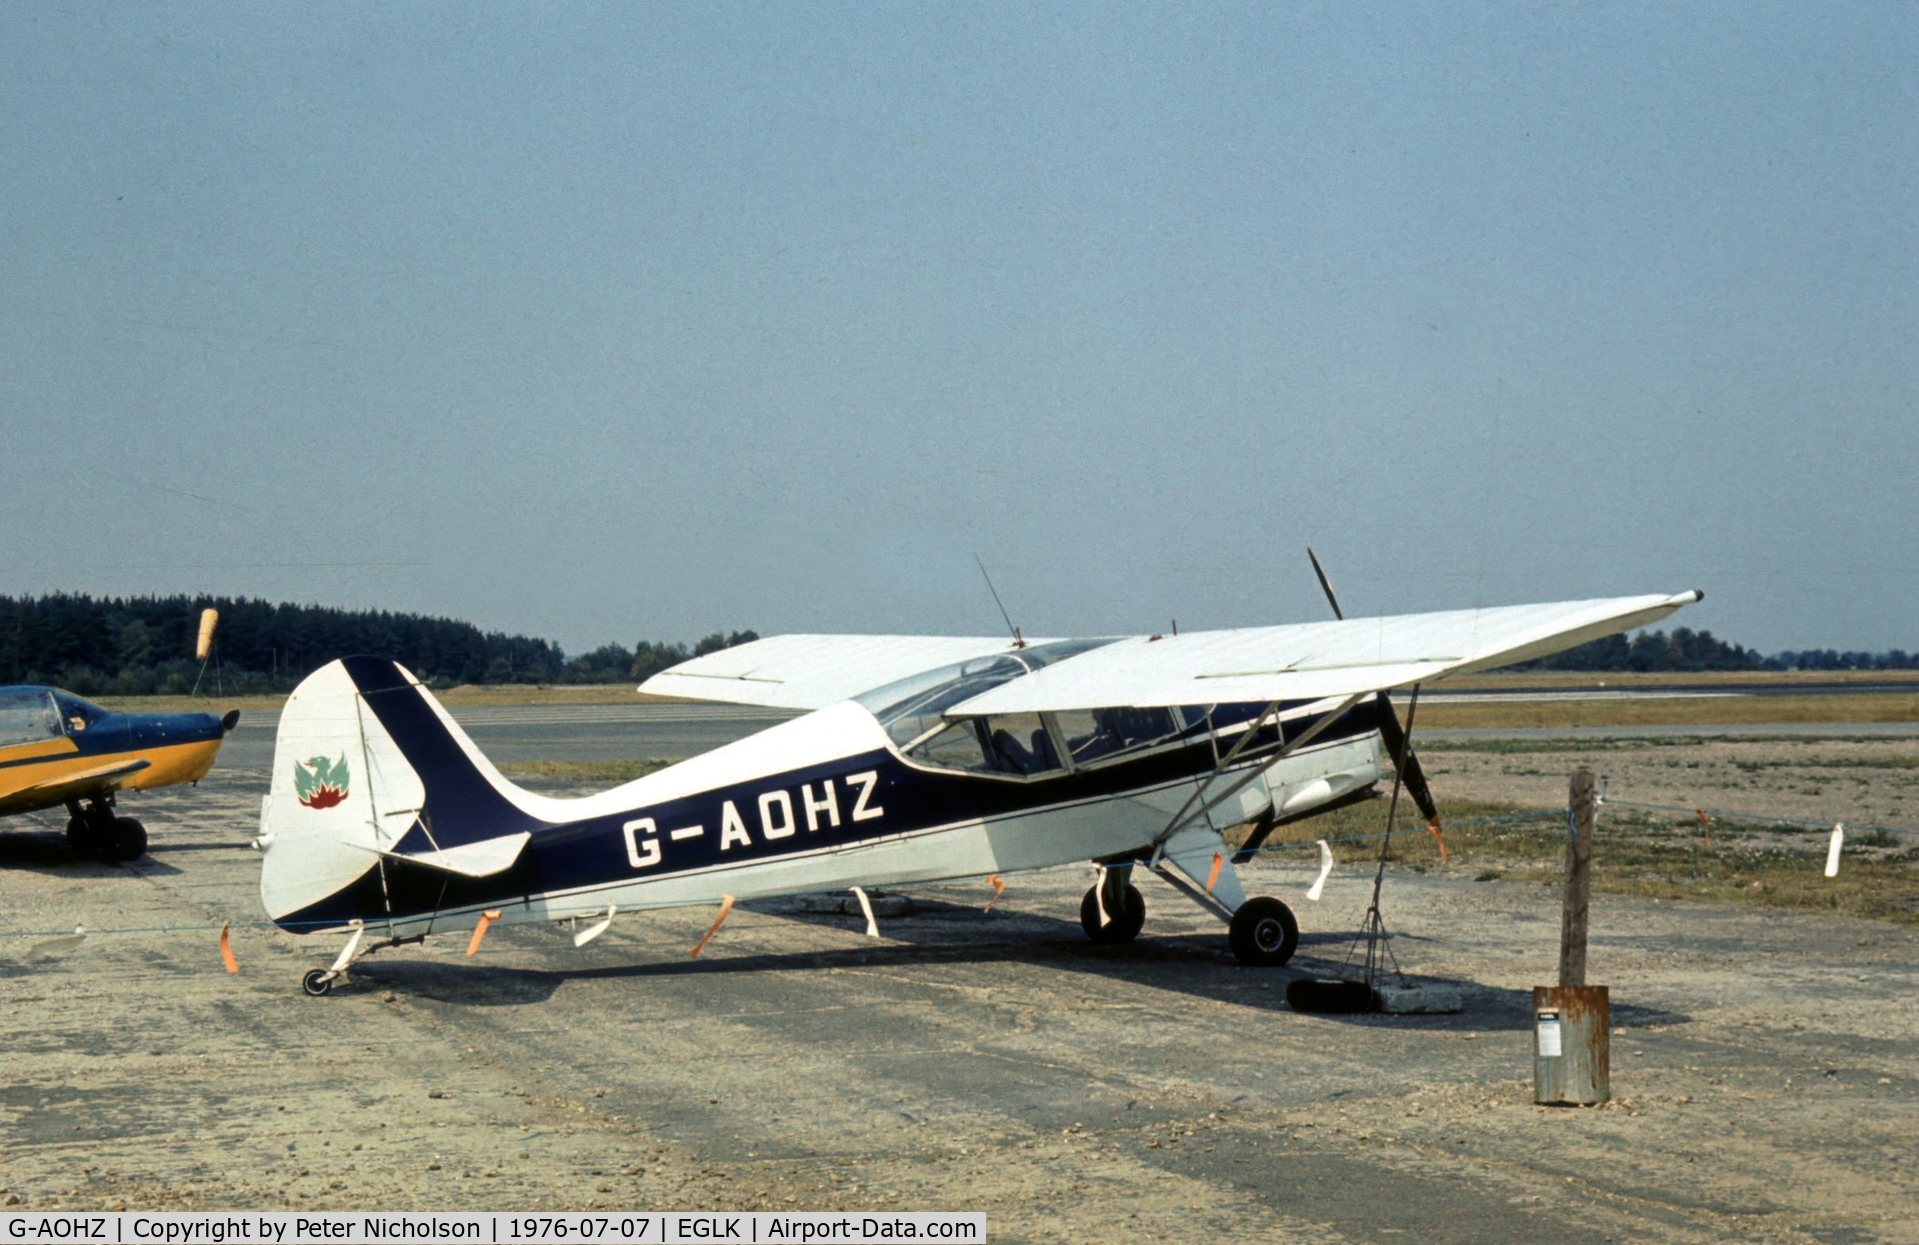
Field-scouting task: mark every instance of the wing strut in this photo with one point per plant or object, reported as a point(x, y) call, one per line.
point(1187, 813)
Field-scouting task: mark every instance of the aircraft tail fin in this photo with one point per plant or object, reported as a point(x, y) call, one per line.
point(368, 766)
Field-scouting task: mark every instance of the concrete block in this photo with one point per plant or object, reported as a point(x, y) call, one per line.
point(847, 903)
point(1421, 1000)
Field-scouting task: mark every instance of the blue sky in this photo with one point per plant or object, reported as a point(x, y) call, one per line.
point(639, 321)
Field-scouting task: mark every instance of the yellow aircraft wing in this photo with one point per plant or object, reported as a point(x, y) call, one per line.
point(86, 783)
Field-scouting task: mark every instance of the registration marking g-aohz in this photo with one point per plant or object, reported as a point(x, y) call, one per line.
point(779, 814)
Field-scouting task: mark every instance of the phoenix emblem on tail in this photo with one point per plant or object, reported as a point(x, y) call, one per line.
point(321, 783)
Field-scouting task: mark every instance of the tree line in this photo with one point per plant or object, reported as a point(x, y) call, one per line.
point(132, 646)
point(1686, 650)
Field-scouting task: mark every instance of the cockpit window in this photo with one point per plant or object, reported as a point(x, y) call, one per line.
point(1096, 734)
point(27, 715)
point(77, 713)
point(911, 708)
point(958, 746)
point(1021, 744)
point(1016, 745)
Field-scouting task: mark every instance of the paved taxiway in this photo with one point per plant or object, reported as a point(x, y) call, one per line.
point(1766, 1064)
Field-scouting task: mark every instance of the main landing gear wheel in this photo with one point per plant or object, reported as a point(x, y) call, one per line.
point(1263, 933)
point(1124, 919)
point(317, 982)
point(126, 840)
point(97, 832)
point(82, 836)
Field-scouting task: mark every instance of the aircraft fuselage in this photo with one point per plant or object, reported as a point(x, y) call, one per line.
point(821, 802)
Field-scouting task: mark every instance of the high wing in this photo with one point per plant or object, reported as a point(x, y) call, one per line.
point(1298, 662)
point(1313, 661)
point(813, 671)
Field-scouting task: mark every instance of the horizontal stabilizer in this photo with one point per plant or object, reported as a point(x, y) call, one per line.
point(471, 860)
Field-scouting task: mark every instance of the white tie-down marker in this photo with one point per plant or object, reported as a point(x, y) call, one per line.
point(40, 950)
point(595, 930)
point(866, 906)
point(1325, 868)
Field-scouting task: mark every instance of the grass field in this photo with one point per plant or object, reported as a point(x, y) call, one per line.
point(541, 775)
point(1675, 711)
point(1665, 856)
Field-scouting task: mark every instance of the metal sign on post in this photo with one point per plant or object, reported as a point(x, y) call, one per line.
point(1572, 1021)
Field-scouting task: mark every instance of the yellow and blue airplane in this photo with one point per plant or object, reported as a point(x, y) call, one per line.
point(58, 749)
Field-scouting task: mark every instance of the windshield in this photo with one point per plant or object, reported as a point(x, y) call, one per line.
point(1009, 745)
point(910, 708)
point(27, 715)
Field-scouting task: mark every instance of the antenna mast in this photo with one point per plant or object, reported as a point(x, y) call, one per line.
point(1018, 641)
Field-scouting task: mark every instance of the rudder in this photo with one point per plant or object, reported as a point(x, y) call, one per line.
point(367, 764)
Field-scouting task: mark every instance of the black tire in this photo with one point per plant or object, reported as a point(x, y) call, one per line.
point(1263, 933)
point(1121, 926)
point(82, 837)
point(1331, 996)
point(127, 840)
point(317, 982)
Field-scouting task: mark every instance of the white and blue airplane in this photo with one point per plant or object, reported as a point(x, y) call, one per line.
point(920, 759)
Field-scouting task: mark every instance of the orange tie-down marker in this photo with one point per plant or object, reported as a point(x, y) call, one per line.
point(226, 949)
point(999, 888)
point(1432, 828)
point(726, 906)
point(479, 929)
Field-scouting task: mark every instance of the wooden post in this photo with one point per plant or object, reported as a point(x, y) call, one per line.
point(1572, 1056)
point(1579, 851)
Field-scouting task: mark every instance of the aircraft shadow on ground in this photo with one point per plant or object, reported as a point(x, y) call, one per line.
point(1195, 964)
point(47, 852)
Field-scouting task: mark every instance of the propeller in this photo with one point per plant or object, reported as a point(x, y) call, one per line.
point(1391, 731)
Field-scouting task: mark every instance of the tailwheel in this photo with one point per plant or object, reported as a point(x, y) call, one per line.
point(317, 982)
point(1125, 914)
point(126, 839)
point(1263, 933)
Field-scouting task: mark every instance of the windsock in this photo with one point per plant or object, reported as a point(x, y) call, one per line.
point(209, 619)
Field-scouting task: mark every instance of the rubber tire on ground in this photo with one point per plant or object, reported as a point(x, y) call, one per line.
point(1331, 996)
point(82, 837)
point(1123, 926)
point(127, 840)
point(316, 983)
point(1263, 933)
